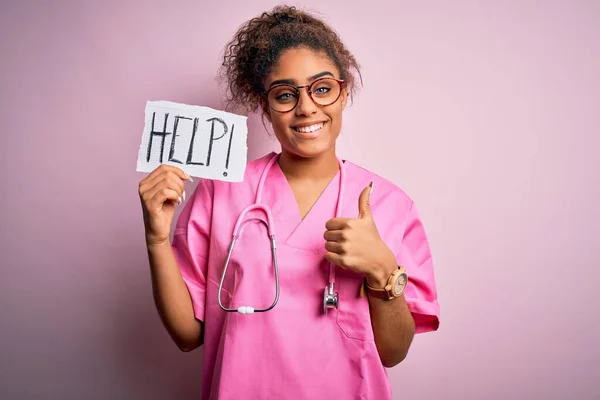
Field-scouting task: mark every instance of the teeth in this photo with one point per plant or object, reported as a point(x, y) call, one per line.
point(309, 129)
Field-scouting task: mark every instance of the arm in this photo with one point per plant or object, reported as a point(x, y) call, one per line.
point(172, 298)
point(396, 321)
point(392, 321)
point(160, 192)
point(355, 244)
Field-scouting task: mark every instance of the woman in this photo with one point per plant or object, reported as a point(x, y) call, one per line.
point(333, 221)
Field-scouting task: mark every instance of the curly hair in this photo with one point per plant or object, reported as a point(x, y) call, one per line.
point(255, 49)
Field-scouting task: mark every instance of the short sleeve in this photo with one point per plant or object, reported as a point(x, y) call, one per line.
point(191, 241)
point(421, 292)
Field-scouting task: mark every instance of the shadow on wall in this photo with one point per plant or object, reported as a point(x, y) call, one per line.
point(146, 361)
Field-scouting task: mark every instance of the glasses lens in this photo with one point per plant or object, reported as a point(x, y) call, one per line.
point(325, 91)
point(283, 98)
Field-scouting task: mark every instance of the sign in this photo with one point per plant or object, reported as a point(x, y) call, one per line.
point(202, 141)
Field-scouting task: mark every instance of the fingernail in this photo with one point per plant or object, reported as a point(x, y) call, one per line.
point(184, 195)
point(372, 185)
point(189, 178)
point(179, 200)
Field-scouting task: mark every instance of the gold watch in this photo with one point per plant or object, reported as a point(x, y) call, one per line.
point(394, 287)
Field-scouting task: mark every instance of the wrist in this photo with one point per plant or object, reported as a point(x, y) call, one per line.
point(378, 277)
point(160, 245)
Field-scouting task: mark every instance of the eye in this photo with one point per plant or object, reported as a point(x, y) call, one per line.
point(322, 90)
point(284, 96)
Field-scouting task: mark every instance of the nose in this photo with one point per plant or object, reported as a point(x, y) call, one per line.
point(306, 106)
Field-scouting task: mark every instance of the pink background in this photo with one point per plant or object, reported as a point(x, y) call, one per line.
point(486, 113)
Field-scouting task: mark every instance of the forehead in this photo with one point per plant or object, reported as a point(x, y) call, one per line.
point(299, 64)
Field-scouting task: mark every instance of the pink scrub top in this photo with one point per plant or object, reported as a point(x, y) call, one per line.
point(294, 351)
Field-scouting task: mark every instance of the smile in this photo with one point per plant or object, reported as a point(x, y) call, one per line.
point(309, 129)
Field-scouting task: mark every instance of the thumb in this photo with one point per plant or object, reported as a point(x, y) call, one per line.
point(364, 206)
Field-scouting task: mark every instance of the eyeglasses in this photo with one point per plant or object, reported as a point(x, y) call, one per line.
point(323, 92)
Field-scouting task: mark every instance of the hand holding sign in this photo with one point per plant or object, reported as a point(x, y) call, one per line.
point(201, 141)
point(180, 140)
point(355, 243)
point(160, 192)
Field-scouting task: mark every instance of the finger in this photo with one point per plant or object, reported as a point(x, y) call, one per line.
point(335, 247)
point(164, 168)
point(364, 206)
point(161, 186)
point(166, 173)
point(177, 171)
point(335, 236)
point(334, 258)
point(180, 173)
point(163, 195)
point(168, 183)
point(336, 224)
point(170, 179)
point(175, 183)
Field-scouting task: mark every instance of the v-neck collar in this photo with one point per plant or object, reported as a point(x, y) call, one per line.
point(304, 233)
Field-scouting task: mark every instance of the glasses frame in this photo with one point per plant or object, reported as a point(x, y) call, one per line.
point(341, 82)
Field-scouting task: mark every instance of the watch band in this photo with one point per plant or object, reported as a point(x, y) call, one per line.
point(379, 293)
point(387, 292)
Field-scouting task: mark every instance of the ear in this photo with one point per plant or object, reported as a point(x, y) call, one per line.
point(344, 98)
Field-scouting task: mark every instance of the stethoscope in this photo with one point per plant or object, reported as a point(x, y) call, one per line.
point(330, 296)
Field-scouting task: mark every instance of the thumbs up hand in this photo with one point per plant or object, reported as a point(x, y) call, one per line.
point(355, 244)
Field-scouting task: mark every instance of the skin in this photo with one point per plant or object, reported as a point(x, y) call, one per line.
point(160, 192)
point(309, 164)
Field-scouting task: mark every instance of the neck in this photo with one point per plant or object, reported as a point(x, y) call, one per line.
point(297, 168)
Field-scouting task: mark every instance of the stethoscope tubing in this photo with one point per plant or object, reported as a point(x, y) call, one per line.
point(330, 298)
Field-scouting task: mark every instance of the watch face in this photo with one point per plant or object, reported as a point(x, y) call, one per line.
point(400, 284)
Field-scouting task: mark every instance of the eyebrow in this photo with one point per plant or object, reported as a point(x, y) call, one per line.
point(293, 82)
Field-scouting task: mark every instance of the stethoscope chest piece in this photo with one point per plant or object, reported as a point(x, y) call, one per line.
point(330, 298)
